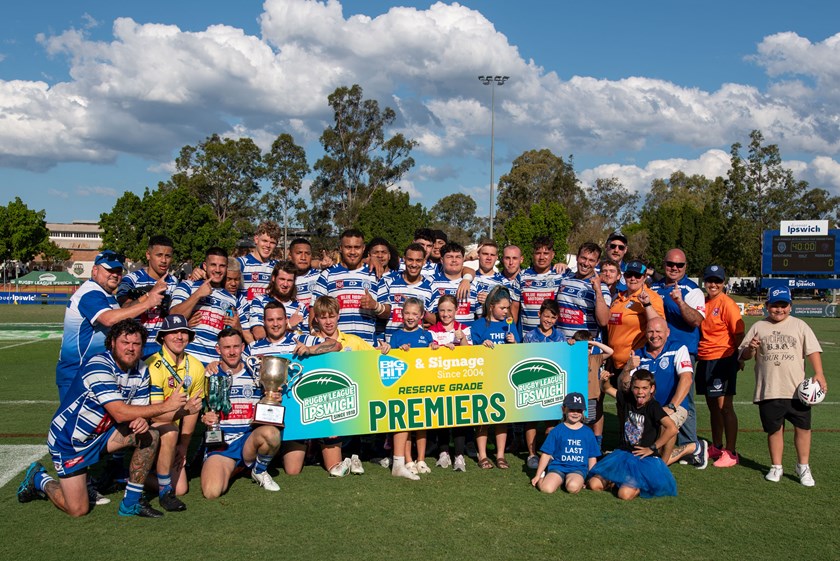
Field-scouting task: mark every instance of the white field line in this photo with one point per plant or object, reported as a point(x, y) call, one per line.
point(15, 458)
point(21, 344)
point(28, 402)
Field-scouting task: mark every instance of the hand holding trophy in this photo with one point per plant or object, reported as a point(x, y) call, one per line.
point(218, 401)
point(274, 377)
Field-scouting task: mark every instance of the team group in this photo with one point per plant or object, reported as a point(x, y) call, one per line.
point(141, 352)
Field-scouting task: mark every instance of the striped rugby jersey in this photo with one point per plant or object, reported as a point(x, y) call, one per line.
point(256, 275)
point(284, 346)
point(305, 284)
point(441, 284)
point(485, 283)
point(256, 317)
point(348, 287)
point(398, 290)
point(151, 319)
point(245, 392)
point(212, 309)
point(534, 289)
point(82, 418)
point(576, 300)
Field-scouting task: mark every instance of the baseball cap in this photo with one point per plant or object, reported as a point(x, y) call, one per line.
point(110, 260)
point(714, 272)
point(575, 400)
point(636, 266)
point(617, 235)
point(778, 294)
point(173, 323)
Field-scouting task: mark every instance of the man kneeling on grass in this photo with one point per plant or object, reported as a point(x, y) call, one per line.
point(245, 445)
point(105, 409)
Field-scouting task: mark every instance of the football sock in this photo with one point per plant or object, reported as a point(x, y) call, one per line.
point(164, 483)
point(399, 461)
point(41, 479)
point(262, 463)
point(133, 493)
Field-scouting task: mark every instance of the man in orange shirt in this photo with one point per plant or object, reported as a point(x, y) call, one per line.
point(717, 364)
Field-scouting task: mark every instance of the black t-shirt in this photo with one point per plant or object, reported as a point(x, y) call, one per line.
point(641, 424)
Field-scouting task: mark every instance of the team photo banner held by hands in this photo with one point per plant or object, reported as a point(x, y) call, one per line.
point(351, 393)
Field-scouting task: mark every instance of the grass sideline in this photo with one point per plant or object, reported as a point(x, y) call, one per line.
point(489, 514)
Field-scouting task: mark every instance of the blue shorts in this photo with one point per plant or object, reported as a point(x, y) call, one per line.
point(69, 462)
point(232, 449)
point(567, 471)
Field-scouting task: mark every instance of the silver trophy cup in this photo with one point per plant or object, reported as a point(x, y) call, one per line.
point(273, 372)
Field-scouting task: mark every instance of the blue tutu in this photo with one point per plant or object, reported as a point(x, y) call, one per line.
point(649, 475)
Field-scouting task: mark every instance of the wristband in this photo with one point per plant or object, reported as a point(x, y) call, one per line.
point(646, 305)
point(468, 277)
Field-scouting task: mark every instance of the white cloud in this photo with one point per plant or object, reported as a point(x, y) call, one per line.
point(58, 194)
point(168, 168)
point(407, 186)
point(97, 192)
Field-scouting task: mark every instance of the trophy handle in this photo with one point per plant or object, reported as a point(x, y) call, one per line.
point(294, 376)
point(253, 362)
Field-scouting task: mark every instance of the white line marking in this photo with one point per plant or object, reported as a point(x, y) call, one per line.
point(21, 344)
point(28, 402)
point(15, 458)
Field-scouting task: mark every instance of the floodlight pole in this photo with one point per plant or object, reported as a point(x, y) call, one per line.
point(492, 81)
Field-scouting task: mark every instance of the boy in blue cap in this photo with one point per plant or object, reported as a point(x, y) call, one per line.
point(569, 451)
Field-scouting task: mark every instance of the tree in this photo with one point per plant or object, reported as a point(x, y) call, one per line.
point(390, 214)
point(22, 231)
point(539, 175)
point(611, 206)
point(171, 211)
point(358, 161)
point(285, 168)
point(224, 174)
point(545, 218)
point(53, 256)
point(455, 214)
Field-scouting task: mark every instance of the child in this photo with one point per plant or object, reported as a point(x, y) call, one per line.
point(412, 335)
point(568, 452)
point(636, 466)
point(547, 331)
point(447, 332)
point(598, 355)
point(780, 344)
point(495, 328)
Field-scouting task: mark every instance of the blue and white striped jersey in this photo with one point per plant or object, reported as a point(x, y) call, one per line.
point(256, 275)
point(305, 284)
point(535, 289)
point(245, 392)
point(576, 300)
point(151, 319)
point(256, 317)
point(485, 283)
point(348, 287)
point(284, 346)
point(398, 290)
point(441, 284)
point(212, 310)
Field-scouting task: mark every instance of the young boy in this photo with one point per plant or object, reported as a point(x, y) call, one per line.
point(598, 355)
point(547, 331)
point(569, 451)
point(780, 344)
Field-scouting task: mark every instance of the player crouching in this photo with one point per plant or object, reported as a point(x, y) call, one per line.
point(244, 445)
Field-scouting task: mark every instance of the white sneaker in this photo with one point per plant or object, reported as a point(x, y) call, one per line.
point(402, 471)
point(341, 469)
point(412, 467)
point(265, 481)
point(444, 460)
point(385, 462)
point(422, 467)
point(804, 473)
point(775, 474)
point(356, 467)
point(460, 464)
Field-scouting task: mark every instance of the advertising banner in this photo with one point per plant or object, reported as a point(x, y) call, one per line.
point(348, 393)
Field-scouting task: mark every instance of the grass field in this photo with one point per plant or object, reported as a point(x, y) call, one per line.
point(719, 513)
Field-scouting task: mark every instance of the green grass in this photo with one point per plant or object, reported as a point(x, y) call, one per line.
point(489, 514)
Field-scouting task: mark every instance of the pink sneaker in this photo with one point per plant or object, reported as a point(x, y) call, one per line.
point(714, 452)
point(727, 459)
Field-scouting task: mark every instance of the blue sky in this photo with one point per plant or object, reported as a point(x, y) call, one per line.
point(96, 98)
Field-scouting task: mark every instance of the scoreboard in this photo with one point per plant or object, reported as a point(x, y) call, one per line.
point(800, 255)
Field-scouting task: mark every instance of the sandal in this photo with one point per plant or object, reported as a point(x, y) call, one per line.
point(485, 463)
point(502, 463)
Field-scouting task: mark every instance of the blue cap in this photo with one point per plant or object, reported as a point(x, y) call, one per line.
point(173, 323)
point(110, 260)
point(575, 400)
point(778, 294)
point(714, 272)
point(636, 266)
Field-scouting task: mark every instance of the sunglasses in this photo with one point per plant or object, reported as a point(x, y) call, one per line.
point(633, 275)
point(617, 246)
point(674, 264)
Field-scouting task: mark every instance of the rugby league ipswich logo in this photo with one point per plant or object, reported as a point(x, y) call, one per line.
point(326, 395)
point(537, 381)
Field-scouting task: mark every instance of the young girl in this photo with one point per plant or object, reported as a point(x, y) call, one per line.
point(412, 335)
point(636, 466)
point(568, 452)
point(447, 332)
point(495, 329)
point(598, 355)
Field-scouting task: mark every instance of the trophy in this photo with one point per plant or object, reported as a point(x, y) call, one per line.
point(273, 375)
point(218, 400)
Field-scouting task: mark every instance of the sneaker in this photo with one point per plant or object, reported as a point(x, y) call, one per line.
point(804, 473)
point(27, 491)
point(727, 459)
point(356, 467)
point(412, 467)
point(775, 474)
point(340, 469)
point(170, 503)
point(533, 462)
point(265, 481)
point(444, 461)
point(402, 471)
point(422, 467)
point(385, 462)
point(715, 452)
point(460, 464)
point(701, 455)
point(94, 496)
point(142, 509)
